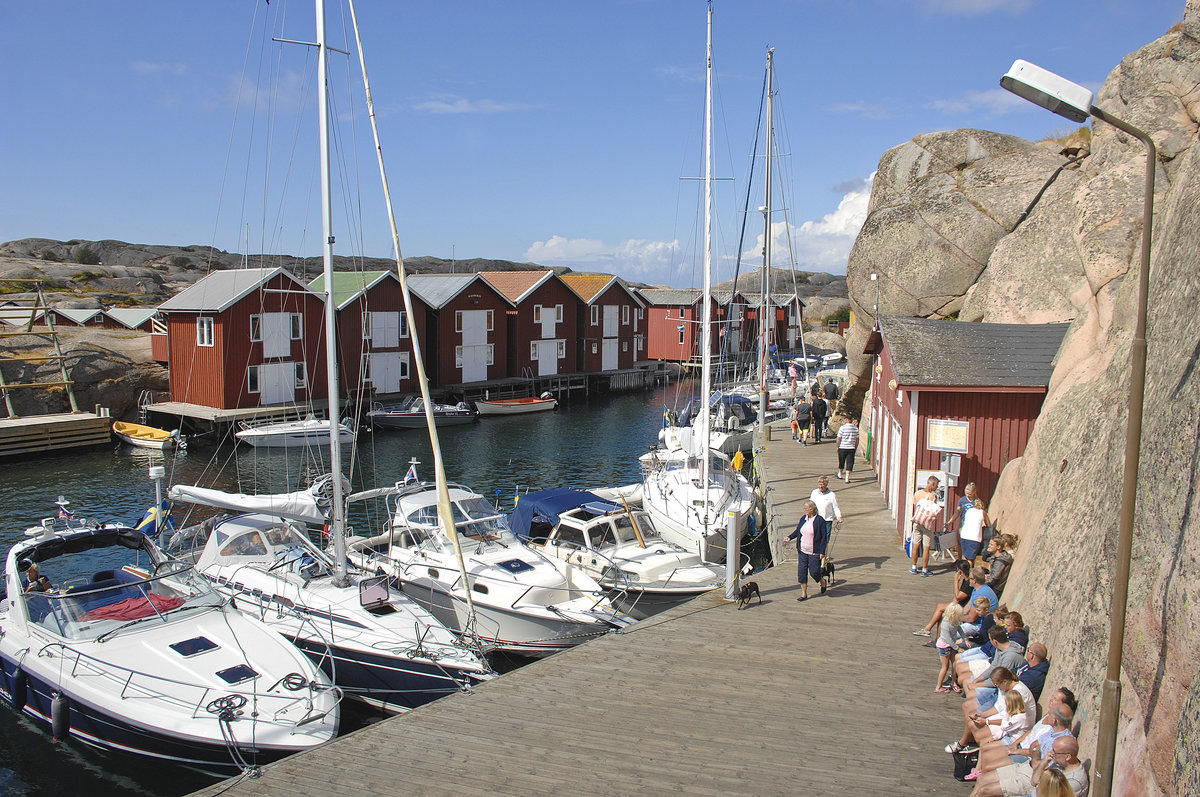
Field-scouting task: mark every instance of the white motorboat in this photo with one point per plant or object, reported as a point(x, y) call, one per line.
point(410, 414)
point(523, 601)
point(618, 546)
point(689, 491)
point(378, 646)
point(311, 432)
point(133, 652)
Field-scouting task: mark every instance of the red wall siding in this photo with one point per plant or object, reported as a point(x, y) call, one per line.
point(196, 372)
point(594, 334)
point(662, 332)
point(550, 293)
point(477, 296)
point(384, 296)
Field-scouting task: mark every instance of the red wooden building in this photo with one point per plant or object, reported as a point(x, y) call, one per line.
point(245, 338)
point(953, 387)
point(612, 323)
point(374, 345)
point(672, 323)
point(465, 331)
point(78, 316)
point(787, 312)
point(540, 325)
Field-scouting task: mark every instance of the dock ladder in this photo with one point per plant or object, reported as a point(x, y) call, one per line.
point(38, 309)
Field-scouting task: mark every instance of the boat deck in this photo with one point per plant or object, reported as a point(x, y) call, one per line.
point(830, 696)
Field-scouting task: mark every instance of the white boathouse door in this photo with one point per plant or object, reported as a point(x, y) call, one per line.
point(277, 382)
point(474, 345)
point(608, 351)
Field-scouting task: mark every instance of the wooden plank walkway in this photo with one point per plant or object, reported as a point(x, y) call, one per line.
point(830, 696)
point(51, 434)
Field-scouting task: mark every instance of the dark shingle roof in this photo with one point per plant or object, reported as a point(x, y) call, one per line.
point(930, 352)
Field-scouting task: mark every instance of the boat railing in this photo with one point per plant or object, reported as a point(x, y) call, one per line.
point(283, 697)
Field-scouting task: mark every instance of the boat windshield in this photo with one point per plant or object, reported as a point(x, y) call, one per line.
point(475, 518)
point(625, 529)
point(109, 600)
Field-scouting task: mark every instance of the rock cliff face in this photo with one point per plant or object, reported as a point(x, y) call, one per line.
point(942, 233)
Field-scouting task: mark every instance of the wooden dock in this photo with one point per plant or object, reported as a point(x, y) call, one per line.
point(50, 434)
point(832, 696)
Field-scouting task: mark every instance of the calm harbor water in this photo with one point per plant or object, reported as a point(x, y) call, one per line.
point(587, 443)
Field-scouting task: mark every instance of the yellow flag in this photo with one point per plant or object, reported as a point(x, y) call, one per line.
point(738, 460)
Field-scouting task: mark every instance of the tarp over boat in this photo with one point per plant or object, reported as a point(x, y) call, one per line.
point(314, 505)
point(547, 505)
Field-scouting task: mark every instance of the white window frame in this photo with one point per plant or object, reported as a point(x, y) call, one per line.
point(205, 331)
point(595, 315)
point(366, 325)
point(491, 352)
point(625, 314)
point(458, 360)
point(682, 335)
point(404, 365)
point(561, 349)
point(537, 314)
point(595, 347)
point(533, 349)
point(297, 328)
point(252, 385)
point(403, 324)
point(639, 342)
point(364, 366)
point(490, 322)
point(256, 328)
point(301, 374)
point(624, 345)
point(458, 321)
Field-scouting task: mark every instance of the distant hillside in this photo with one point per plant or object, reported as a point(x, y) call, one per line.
point(109, 273)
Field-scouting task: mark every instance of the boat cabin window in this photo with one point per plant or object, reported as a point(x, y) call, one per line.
point(248, 544)
point(601, 535)
point(571, 537)
point(625, 527)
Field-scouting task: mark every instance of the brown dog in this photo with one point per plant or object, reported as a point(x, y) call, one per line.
point(749, 590)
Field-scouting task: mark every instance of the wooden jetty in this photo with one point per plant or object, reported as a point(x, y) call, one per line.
point(49, 434)
point(832, 696)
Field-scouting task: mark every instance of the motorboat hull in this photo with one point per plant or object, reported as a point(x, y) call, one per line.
point(294, 436)
point(33, 695)
point(515, 406)
point(510, 631)
point(641, 604)
point(408, 420)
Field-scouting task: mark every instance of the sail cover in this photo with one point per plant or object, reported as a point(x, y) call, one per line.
point(314, 505)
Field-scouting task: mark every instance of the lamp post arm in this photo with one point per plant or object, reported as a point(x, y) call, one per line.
point(1110, 705)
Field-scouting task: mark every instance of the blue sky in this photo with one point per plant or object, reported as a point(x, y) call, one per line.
point(559, 132)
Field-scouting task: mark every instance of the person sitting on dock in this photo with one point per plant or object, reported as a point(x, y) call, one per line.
point(962, 596)
point(811, 536)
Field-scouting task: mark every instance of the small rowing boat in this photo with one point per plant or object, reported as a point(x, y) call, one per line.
point(516, 406)
point(137, 434)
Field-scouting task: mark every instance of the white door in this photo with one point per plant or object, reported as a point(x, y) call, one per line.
point(608, 355)
point(276, 382)
point(387, 369)
point(385, 330)
point(547, 357)
point(474, 345)
point(610, 320)
point(895, 457)
point(549, 321)
point(276, 332)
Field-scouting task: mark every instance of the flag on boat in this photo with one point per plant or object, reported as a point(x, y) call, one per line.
point(64, 513)
point(411, 476)
point(155, 520)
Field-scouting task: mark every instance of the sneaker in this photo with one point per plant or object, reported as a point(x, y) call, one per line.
point(970, 748)
point(953, 747)
point(914, 570)
point(926, 573)
point(921, 632)
point(942, 690)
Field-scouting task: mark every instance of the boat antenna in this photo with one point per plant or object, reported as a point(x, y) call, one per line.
point(338, 510)
point(445, 513)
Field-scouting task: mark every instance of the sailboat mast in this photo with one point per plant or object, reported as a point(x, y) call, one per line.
point(338, 525)
point(764, 357)
point(706, 315)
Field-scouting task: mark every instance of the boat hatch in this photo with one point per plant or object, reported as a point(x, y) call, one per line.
point(194, 646)
point(515, 565)
point(373, 592)
point(238, 674)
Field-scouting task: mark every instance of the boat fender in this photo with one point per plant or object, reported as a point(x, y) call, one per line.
point(17, 691)
point(60, 717)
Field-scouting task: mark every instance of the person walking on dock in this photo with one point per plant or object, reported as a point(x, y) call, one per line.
point(811, 536)
point(803, 419)
point(826, 501)
point(847, 438)
point(820, 415)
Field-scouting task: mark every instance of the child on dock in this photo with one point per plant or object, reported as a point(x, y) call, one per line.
point(949, 636)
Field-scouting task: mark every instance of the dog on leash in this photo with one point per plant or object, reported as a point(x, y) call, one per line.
point(749, 590)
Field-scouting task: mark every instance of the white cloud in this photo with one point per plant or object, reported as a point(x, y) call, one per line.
point(455, 104)
point(636, 259)
point(994, 101)
point(822, 245)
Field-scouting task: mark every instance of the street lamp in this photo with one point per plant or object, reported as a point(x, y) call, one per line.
point(1075, 103)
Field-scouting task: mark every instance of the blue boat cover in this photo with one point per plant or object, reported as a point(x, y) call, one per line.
point(547, 505)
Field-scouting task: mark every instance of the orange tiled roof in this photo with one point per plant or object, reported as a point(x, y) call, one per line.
point(513, 285)
point(587, 286)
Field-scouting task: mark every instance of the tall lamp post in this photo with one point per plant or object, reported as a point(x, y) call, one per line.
point(1075, 103)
